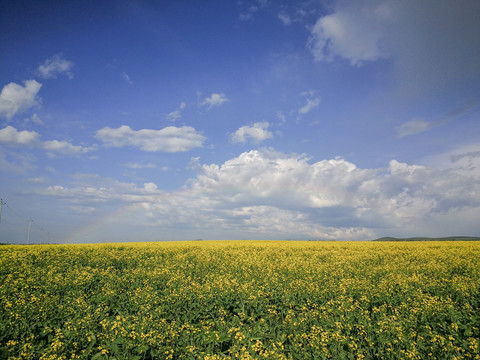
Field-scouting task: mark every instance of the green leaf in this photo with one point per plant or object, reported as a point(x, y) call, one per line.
point(97, 356)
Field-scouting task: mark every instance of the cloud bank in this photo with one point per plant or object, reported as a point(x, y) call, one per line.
point(269, 194)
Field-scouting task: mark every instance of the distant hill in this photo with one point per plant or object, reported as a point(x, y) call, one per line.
point(449, 238)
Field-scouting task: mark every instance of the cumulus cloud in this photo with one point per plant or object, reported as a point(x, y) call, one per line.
point(431, 44)
point(168, 139)
point(337, 194)
point(11, 136)
point(269, 194)
point(16, 98)
point(256, 133)
point(214, 100)
point(54, 66)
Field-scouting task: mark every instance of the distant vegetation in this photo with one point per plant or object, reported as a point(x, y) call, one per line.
point(449, 238)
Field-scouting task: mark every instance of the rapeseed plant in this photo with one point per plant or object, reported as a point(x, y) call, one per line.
point(241, 300)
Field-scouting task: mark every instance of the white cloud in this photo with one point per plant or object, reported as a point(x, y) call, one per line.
point(214, 100)
point(417, 125)
point(413, 127)
point(248, 14)
point(150, 186)
point(311, 104)
point(35, 119)
point(127, 78)
point(337, 194)
point(431, 45)
point(11, 136)
point(83, 209)
point(285, 19)
point(174, 115)
point(177, 114)
point(256, 133)
point(268, 194)
point(168, 139)
point(64, 147)
point(54, 66)
point(38, 180)
point(140, 166)
point(90, 189)
point(12, 162)
point(463, 160)
point(15, 98)
point(245, 17)
point(281, 116)
point(353, 33)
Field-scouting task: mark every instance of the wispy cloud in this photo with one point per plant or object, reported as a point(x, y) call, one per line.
point(140, 166)
point(413, 127)
point(54, 66)
point(418, 125)
point(35, 119)
point(312, 102)
point(14, 162)
point(127, 78)
point(285, 19)
point(176, 114)
point(281, 116)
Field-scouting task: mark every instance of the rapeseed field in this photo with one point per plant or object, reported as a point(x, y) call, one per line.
point(241, 300)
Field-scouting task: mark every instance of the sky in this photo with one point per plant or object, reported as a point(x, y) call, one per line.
point(181, 120)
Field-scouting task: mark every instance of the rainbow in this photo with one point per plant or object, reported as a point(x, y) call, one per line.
point(102, 225)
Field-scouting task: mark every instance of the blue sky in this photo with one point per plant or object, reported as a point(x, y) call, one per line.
point(173, 120)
